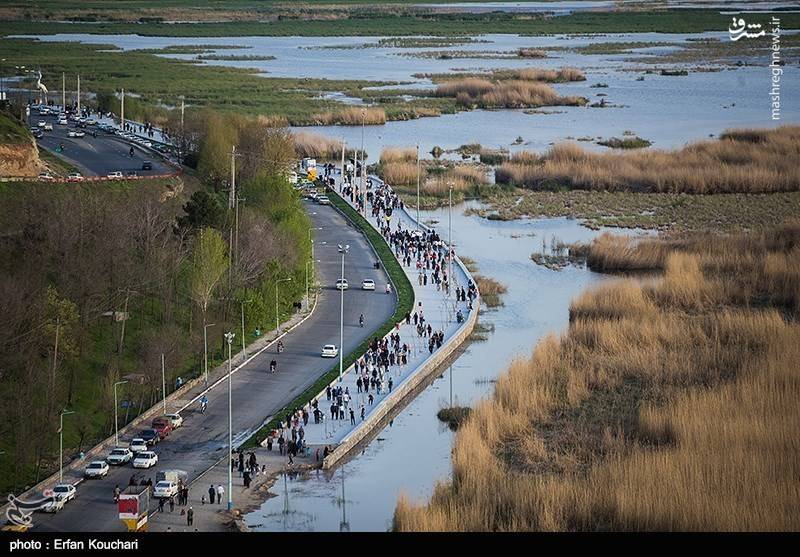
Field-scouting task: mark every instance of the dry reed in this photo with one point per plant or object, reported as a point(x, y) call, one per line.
point(666, 406)
point(351, 116)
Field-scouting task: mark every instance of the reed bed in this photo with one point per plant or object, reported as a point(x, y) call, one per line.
point(317, 145)
point(491, 290)
point(512, 93)
point(399, 154)
point(667, 405)
point(740, 161)
point(351, 116)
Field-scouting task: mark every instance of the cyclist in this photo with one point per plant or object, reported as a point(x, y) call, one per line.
point(203, 404)
point(361, 320)
point(131, 151)
point(273, 366)
point(280, 346)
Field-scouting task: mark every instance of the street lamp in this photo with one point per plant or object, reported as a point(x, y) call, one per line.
point(116, 422)
point(61, 445)
point(343, 251)
point(277, 320)
point(229, 337)
point(450, 241)
point(205, 349)
point(312, 241)
point(418, 170)
point(244, 341)
point(308, 296)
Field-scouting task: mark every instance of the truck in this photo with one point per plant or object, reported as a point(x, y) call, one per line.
point(174, 475)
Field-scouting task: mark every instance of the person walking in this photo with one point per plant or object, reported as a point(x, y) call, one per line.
point(172, 503)
point(189, 516)
point(212, 493)
point(352, 417)
point(161, 505)
point(220, 493)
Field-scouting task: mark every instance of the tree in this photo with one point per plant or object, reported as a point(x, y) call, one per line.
point(202, 210)
point(208, 265)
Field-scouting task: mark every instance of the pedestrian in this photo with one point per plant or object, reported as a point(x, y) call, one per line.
point(161, 505)
point(189, 516)
point(269, 443)
point(220, 493)
point(390, 384)
point(172, 503)
point(352, 417)
point(246, 479)
point(212, 493)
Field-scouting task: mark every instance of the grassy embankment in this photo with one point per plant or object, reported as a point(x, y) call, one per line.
point(379, 23)
point(405, 294)
point(668, 405)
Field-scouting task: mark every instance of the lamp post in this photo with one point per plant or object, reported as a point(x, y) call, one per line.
point(450, 241)
point(116, 422)
point(418, 170)
point(308, 296)
point(277, 319)
point(311, 241)
point(244, 341)
point(61, 444)
point(343, 250)
point(205, 349)
point(229, 337)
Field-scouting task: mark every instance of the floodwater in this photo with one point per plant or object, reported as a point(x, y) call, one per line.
point(413, 453)
point(667, 110)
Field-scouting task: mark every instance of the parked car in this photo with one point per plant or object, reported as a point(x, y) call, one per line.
point(367, 284)
point(341, 284)
point(117, 175)
point(96, 469)
point(150, 436)
point(146, 459)
point(120, 455)
point(137, 445)
point(165, 489)
point(147, 165)
point(175, 419)
point(65, 492)
point(330, 351)
point(74, 177)
point(163, 426)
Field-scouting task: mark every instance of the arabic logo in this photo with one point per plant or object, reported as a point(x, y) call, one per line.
point(739, 29)
point(19, 512)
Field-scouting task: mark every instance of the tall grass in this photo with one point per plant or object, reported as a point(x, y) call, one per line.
point(399, 154)
point(741, 161)
point(351, 116)
point(317, 145)
point(665, 406)
point(511, 93)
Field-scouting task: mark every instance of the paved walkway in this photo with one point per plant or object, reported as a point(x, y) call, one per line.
point(439, 310)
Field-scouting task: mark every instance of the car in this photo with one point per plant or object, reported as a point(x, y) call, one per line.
point(53, 506)
point(150, 436)
point(71, 133)
point(80, 134)
point(147, 165)
point(34, 130)
point(323, 200)
point(62, 122)
point(46, 176)
point(117, 175)
point(74, 177)
point(165, 489)
point(38, 135)
point(163, 426)
point(65, 492)
point(91, 122)
point(96, 469)
point(341, 284)
point(137, 445)
point(44, 111)
point(48, 127)
point(131, 174)
point(42, 124)
point(367, 284)
point(330, 351)
point(119, 456)
point(175, 419)
point(146, 459)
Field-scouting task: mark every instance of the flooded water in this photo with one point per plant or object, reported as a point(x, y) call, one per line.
point(667, 110)
point(413, 453)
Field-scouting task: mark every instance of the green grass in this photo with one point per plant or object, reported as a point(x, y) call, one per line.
point(381, 23)
point(12, 132)
point(405, 304)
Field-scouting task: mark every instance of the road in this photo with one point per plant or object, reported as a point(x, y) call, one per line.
point(203, 439)
point(97, 156)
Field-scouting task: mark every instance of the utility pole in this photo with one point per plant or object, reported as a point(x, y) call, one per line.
point(64, 92)
point(343, 251)
point(417, 186)
point(122, 111)
point(124, 320)
point(450, 241)
point(341, 180)
point(61, 446)
point(116, 406)
point(244, 340)
point(79, 96)
point(232, 192)
point(205, 349)
point(163, 383)
point(229, 337)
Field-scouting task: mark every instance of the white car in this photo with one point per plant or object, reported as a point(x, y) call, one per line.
point(42, 124)
point(79, 133)
point(114, 175)
point(96, 469)
point(120, 455)
point(323, 200)
point(165, 489)
point(138, 445)
point(367, 284)
point(175, 419)
point(46, 176)
point(48, 127)
point(341, 284)
point(330, 351)
point(62, 121)
point(74, 177)
point(71, 133)
point(146, 459)
point(65, 492)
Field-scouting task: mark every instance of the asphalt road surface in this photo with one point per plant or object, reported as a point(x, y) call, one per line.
point(97, 156)
point(203, 439)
